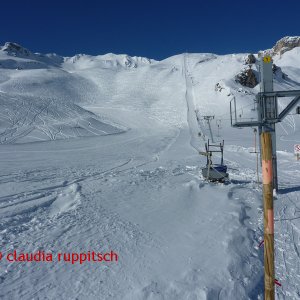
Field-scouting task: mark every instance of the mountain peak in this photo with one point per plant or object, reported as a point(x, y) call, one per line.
point(286, 43)
point(15, 49)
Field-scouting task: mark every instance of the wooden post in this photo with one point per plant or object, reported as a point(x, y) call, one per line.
point(266, 145)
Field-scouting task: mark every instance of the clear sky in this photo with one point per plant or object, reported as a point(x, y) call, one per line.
point(154, 29)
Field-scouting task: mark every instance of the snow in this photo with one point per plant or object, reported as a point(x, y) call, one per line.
point(100, 153)
point(66, 200)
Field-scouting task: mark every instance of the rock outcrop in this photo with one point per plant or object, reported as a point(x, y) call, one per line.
point(278, 72)
point(250, 59)
point(247, 78)
point(285, 44)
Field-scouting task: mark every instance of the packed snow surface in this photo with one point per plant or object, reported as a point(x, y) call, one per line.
point(101, 153)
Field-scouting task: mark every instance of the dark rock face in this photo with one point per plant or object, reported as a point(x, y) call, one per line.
point(218, 87)
point(247, 78)
point(250, 59)
point(278, 72)
point(276, 69)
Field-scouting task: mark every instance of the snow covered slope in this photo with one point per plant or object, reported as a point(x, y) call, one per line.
point(119, 169)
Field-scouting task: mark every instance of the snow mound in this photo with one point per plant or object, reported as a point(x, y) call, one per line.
point(107, 61)
point(66, 200)
point(32, 119)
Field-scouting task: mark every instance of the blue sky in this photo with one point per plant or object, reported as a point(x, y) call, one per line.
point(154, 29)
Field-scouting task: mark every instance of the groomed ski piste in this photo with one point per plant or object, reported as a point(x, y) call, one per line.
point(100, 153)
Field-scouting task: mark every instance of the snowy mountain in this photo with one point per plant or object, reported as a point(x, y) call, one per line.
point(101, 153)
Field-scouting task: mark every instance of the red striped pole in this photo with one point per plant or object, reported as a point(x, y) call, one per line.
point(267, 172)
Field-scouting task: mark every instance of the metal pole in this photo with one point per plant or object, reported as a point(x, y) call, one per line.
point(269, 268)
point(274, 159)
point(208, 118)
point(222, 151)
point(209, 164)
point(235, 110)
point(256, 152)
point(211, 135)
point(268, 109)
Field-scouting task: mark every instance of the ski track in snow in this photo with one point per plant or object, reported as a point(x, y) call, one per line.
point(64, 205)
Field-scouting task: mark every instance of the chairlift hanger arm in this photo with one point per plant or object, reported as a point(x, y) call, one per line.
point(246, 124)
point(279, 94)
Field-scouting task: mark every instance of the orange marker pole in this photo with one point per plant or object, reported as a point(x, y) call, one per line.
point(266, 145)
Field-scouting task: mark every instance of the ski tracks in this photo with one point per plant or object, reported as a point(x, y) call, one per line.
point(68, 217)
point(287, 247)
point(195, 130)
